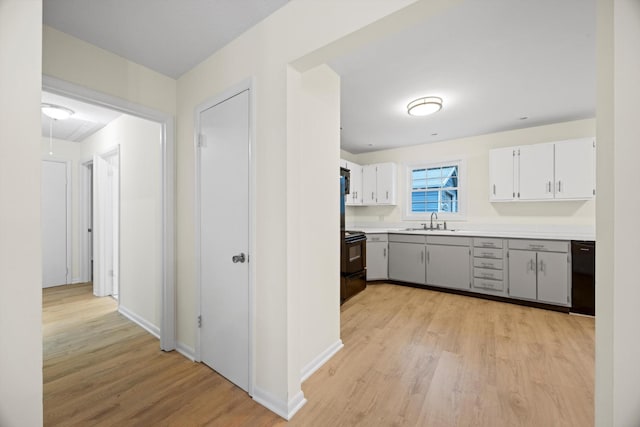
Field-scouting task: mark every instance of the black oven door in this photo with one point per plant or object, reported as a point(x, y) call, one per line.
point(355, 256)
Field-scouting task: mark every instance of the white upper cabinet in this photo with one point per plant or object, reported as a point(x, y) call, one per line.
point(575, 169)
point(379, 184)
point(563, 170)
point(502, 174)
point(354, 198)
point(369, 181)
point(386, 183)
point(535, 164)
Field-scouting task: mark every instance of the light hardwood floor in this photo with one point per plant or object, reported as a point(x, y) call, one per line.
point(412, 357)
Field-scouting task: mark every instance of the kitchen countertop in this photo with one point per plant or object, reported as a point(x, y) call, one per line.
point(506, 234)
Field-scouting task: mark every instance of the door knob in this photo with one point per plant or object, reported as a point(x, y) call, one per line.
point(238, 258)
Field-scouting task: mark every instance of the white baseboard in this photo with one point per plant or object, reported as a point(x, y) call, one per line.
point(76, 280)
point(143, 323)
point(186, 351)
point(284, 409)
point(320, 360)
point(295, 403)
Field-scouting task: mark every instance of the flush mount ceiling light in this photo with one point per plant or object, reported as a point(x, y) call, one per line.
point(424, 106)
point(56, 112)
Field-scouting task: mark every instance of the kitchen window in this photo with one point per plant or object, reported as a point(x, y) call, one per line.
point(434, 188)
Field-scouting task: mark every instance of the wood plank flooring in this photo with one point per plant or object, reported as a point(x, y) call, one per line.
point(412, 357)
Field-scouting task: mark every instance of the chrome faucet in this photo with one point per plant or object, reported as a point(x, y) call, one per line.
point(431, 224)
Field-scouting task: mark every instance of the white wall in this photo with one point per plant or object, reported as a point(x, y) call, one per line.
point(20, 239)
point(314, 100)
point(73, 60)
point(69, 151)
point(140, 211)
point(300, 28)
point(617, 289)
point(475, 152)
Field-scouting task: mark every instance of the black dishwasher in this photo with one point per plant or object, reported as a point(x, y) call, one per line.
point(583, 280)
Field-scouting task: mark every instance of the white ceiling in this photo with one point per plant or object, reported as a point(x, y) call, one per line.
point(169, 36)
point(492, 61)
point(86, 120)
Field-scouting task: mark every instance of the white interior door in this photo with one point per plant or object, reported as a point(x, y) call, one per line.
point(54, 224)
point(106, 198)
point(224, 238)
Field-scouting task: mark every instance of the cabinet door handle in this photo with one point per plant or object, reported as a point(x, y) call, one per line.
point(372, 195)
point(421, 257)
point(559, 186)
point(387, 195)
point(549, 187)
point(531, 266)
point(494, 189)
point(384, 252)
point(541, 266)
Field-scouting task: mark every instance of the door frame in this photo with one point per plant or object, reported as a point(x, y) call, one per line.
point(166, 121)
point(113, 151)
point(68, 191)
point(85, 193)
point(230, 92)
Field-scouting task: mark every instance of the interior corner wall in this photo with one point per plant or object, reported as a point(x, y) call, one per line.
point(318, 257)
point(20, 238)
point(72, 60)
point(69, 151)
point(262, 54)
point(475, 152)
point(140, 143)
point(617, 232)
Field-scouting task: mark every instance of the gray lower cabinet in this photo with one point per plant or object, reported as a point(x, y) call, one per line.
point(407, 258)
point(448, 262)
point(553, 275)
point(522, 275)
point(540, 271)
point(377, 257)
point(489, 266)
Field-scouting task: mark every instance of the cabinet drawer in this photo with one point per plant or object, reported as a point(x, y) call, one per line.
point(407, 238)
point(447, 240)
point(494, 285)
point(485, 242)
point(486, 273)
point(495, 264)
point(487, 253)
point(540, 245)
point(377, 237)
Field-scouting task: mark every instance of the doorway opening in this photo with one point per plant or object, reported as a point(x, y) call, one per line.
point(140, 218)
point(104, 205)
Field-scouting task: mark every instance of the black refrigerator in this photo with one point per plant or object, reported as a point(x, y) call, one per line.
point(352, 250)
point(344, 179)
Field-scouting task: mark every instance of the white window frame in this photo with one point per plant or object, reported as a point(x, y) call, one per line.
point(461, 215)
